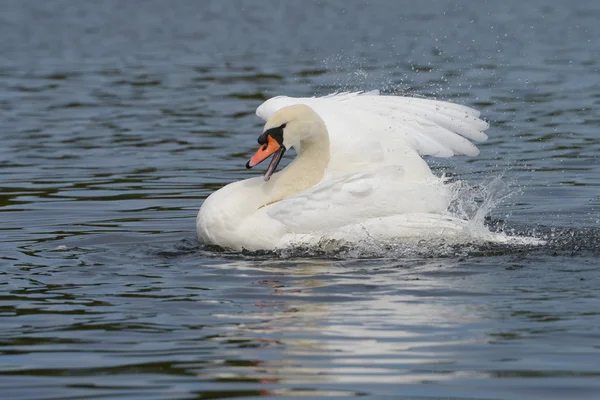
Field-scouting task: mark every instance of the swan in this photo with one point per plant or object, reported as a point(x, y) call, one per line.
point(358, 173)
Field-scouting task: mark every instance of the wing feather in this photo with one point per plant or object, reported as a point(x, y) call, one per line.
point(358, 197)
point(370, 126)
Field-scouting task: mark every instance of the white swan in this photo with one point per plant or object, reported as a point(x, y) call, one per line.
point(358, 173)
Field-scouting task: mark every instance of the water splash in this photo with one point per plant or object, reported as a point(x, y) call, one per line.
point(475, 203)
point(352, 73)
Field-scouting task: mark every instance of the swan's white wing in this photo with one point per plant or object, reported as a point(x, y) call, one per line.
point(357, 197)
point(389, 130)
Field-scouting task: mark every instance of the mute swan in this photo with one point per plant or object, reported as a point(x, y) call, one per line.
point(358, 172)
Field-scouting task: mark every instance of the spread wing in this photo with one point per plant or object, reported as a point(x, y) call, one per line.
point(389, 130)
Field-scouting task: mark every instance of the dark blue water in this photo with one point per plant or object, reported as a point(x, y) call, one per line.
point(118, 118)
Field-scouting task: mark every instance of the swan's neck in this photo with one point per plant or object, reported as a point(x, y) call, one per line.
point(305, 171)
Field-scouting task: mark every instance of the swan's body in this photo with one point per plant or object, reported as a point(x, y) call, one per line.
point(358, 174)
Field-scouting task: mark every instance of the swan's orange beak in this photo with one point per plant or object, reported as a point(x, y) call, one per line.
point(264, 151)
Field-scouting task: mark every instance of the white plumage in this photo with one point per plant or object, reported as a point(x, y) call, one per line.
point(372, 183)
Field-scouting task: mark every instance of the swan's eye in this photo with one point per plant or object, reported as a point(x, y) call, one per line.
point(283, 126)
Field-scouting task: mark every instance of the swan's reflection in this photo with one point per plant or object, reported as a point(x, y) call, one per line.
point(334, 321)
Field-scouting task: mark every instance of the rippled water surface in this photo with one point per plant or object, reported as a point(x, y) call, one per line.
point(117, 118)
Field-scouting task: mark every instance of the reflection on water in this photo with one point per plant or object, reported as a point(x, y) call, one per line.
point(258, 324)
point(118, 118)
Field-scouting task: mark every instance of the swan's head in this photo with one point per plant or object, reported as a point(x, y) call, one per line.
point(285, 129)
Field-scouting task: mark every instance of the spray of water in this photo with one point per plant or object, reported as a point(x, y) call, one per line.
point(475, 203)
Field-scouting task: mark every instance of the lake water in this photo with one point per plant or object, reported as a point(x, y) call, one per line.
point(117, 118)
